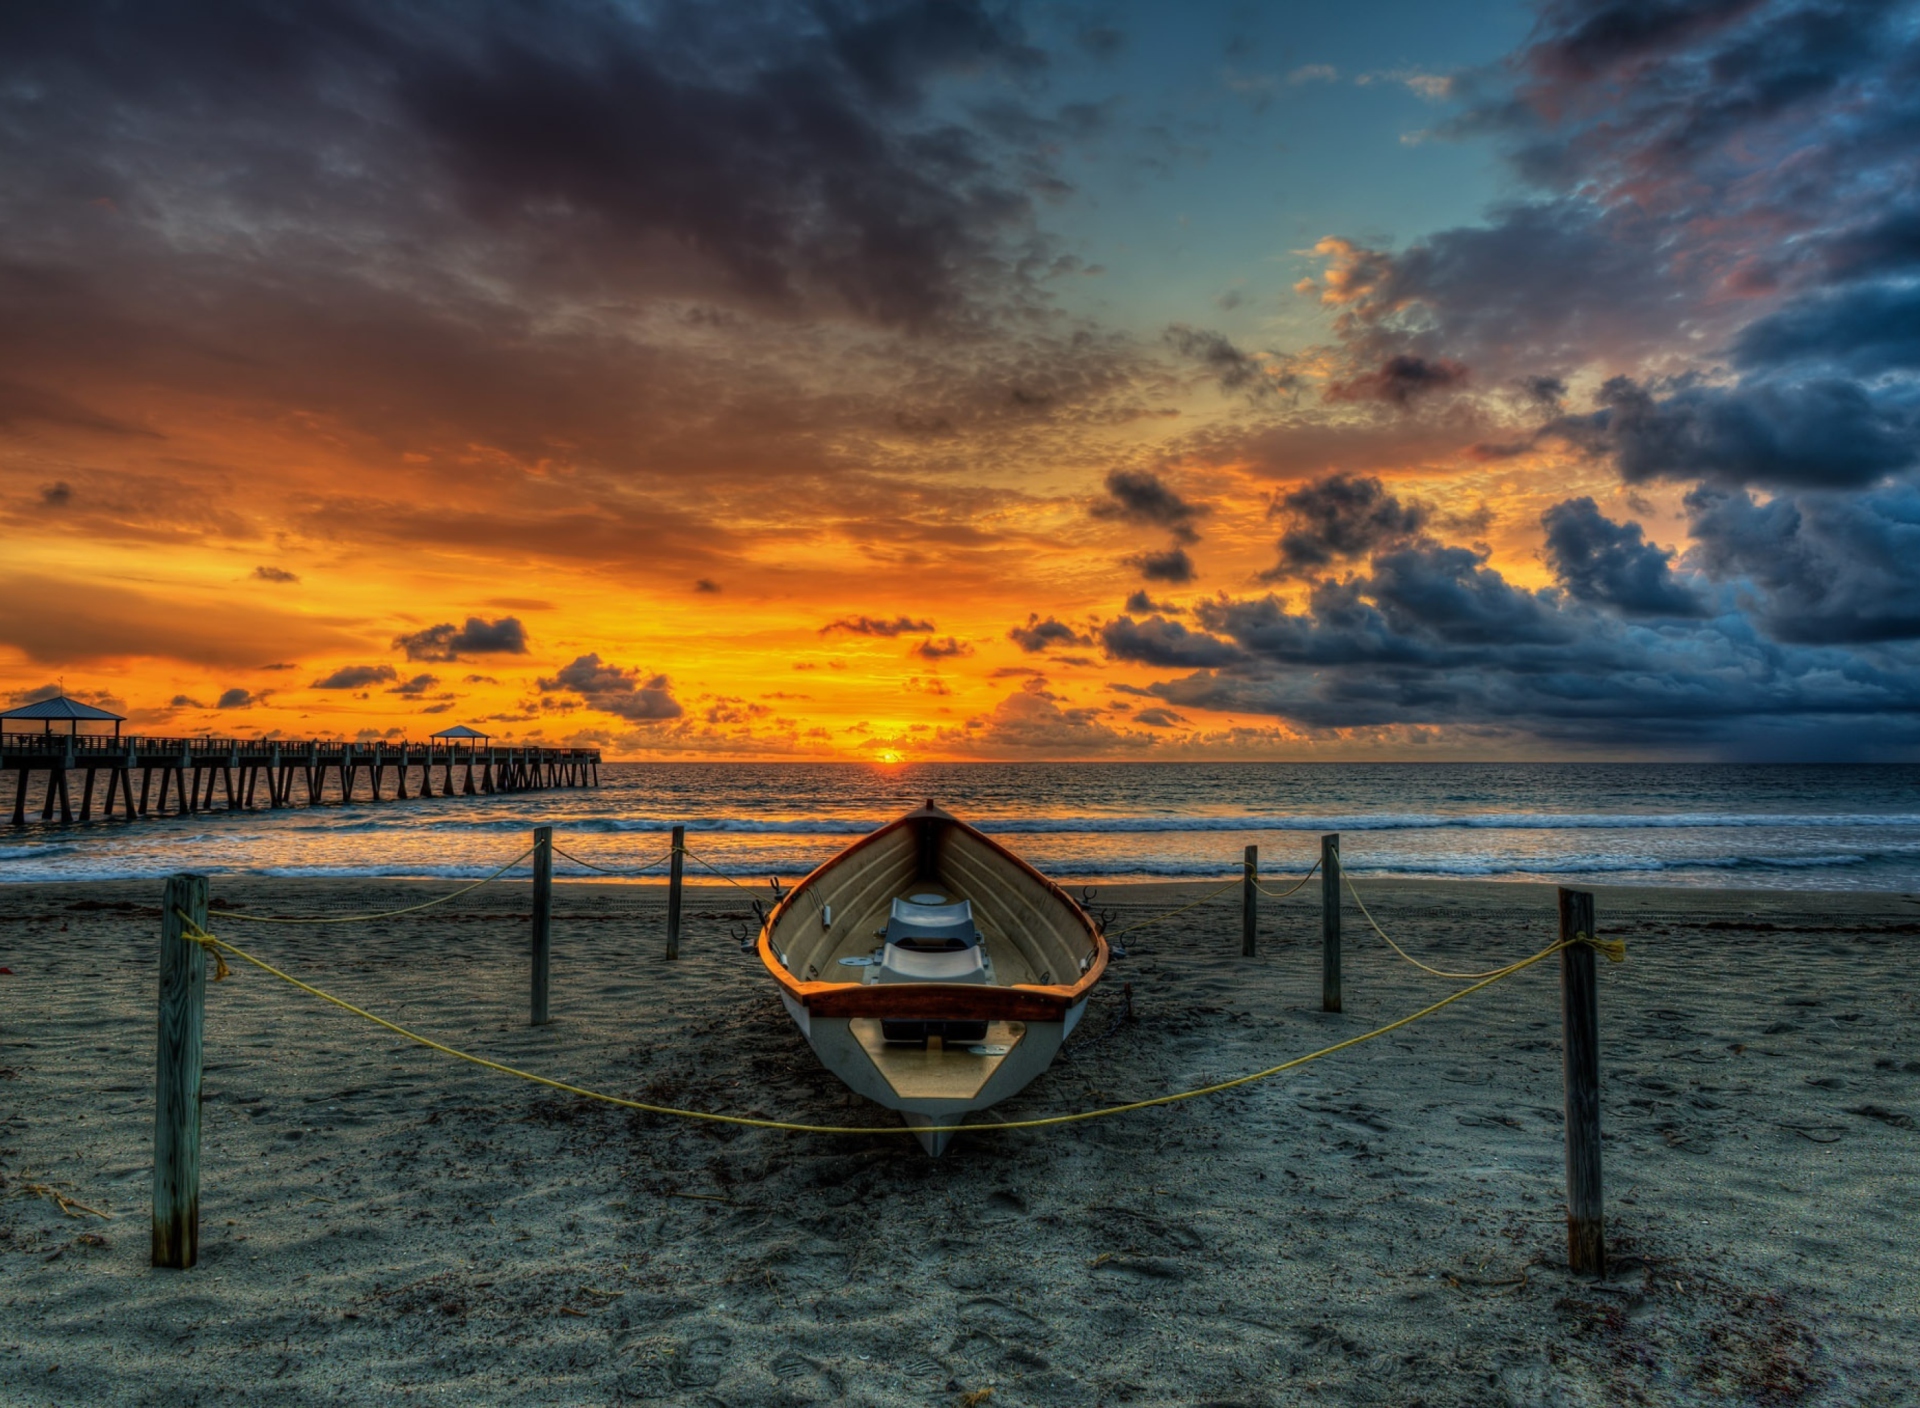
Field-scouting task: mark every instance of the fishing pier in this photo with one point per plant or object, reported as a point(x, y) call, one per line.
point(233, 774)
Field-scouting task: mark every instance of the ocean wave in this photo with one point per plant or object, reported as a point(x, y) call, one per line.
point(1120, 825)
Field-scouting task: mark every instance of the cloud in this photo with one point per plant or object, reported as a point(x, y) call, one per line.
point(1141, 604)
point(1867, 330)
point(57, 495)
point(612, 689)
point(1611, 564)
point(1158, 718)
point(1232, 368)
point(237, 698)
point(872, 626)
point(1400, 379)
point(1340, 516)
point(1173, 566)
point(1037, 635)
point(1823, 568)
point(948, 649)
point(448, 642)
point(274, 574)
point(181, 701)
point(1818, 434)
point(1434, 636)
point(356, 677)
point(707, 586)
point(1314, 73)
point(420, 684)
point(1140, 496)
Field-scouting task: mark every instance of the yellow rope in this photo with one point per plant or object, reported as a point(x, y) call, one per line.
point(1614, 949)
point(211, 942)
point(664, 855)
point(1282, 894)
point(1116, 933)
point(363, 918)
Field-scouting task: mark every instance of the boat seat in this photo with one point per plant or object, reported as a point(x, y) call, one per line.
point(932, 943)
point(932, 928)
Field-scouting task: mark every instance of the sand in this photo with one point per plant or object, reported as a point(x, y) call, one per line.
point(381, 1223)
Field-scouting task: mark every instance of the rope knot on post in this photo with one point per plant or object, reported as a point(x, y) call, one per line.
point(194, 934)
point(1615, 950)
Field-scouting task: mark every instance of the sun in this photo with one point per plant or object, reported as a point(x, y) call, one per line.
point(891, 757)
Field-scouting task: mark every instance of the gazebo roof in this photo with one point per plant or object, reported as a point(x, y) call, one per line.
point(461, 731)
point(61, 707)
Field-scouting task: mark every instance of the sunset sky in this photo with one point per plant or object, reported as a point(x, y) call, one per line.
point(950, 380)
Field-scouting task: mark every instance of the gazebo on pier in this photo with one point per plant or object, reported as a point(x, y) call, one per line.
point(60, 709)
point(460, 733)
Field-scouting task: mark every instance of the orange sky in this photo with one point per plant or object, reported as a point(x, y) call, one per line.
point(942, 380)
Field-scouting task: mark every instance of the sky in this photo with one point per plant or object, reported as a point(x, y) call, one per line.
point(925, 379)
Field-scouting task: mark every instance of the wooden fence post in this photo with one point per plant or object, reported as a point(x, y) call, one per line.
point(676, 870)
point(1580, 1063)
point(1330, 923)
point(1249, 905)
point(176, 1077)
point(542, 920)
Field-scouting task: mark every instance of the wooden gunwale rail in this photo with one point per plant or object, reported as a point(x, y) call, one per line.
point(233, 774)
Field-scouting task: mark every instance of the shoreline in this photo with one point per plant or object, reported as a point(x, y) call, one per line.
point(1378, 1227)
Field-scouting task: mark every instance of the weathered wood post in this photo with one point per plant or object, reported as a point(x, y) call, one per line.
point(1249, 905)
point(176, 1079)
point(676, 871)
point(1330, 923)
point(542, 919)
point(1580, 1064)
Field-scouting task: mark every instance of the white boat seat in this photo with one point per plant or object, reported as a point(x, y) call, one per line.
point(932, 943)
point(932, 928)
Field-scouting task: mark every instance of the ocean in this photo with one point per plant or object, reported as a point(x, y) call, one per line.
point(1791, 827)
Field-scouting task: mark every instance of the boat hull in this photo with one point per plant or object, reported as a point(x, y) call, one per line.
point(934, 1101)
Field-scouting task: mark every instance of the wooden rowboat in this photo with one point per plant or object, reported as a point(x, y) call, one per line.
point(931, 969)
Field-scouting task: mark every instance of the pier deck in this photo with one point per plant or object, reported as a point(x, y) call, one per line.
point(202, 774)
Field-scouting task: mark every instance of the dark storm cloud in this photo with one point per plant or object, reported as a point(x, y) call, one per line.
point(878, 626)
point(1143, 604)
point(1340, 516)
point(447, 641)
point(1677, 153)
point(1141, 496)
point(613, 689)
point(1826, 568)
point(1868, 330)
point(786, 146)
point(1037, 635)
point(1819, 434)
point(1434, 636)
point(1174, 566)
point(1611, 564)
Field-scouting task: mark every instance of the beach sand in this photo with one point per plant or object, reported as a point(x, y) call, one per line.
point(382, 1223)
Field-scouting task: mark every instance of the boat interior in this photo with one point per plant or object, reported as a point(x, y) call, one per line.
point(928, 901)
